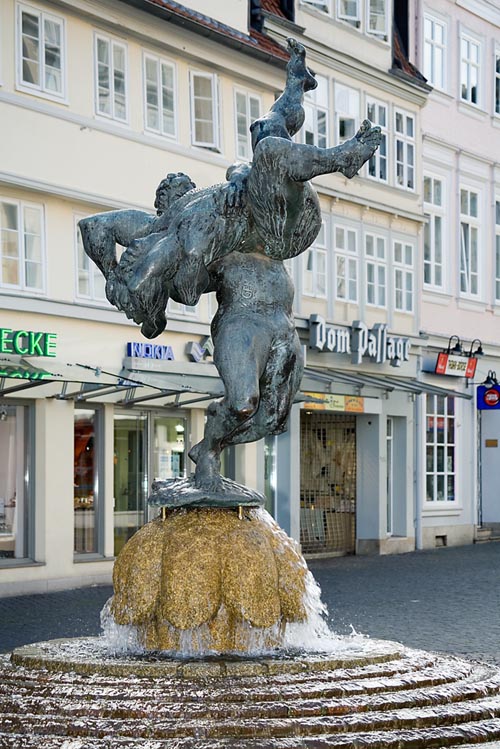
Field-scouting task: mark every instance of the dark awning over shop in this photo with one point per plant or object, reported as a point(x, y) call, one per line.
point(387, 383)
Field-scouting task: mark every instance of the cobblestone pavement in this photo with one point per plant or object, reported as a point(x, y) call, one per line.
point(445, 599)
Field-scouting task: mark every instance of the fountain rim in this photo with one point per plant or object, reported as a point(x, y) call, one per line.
point(43, 655)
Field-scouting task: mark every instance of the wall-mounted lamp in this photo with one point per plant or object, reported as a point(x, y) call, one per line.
point(491, 378)
point(457, 349)
point(479, 351)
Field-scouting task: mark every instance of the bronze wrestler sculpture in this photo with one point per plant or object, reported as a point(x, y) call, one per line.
point(232, 239)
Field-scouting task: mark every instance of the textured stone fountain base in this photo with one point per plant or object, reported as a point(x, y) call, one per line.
point(380, 696)
point(210, 579)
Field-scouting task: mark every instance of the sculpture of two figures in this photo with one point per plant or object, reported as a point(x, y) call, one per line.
point(231, 238)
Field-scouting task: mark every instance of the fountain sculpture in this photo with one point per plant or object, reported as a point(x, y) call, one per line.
point(214, 574)
point(247, 579)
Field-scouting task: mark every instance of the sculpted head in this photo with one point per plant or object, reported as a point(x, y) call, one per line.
point(170, 189)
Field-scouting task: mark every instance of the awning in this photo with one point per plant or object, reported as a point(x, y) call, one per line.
point(387, 383)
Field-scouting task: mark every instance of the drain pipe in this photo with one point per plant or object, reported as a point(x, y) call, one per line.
point(417, 453)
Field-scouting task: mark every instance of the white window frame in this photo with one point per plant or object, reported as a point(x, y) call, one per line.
point(40, 90)
point(324, 6)
point(177, 308)
point(319, 249)
point(430, 73)
point(497, 249)
point(435, 211)
point(407, 142)
point(377, 156)
point(245, 153)
point(159, 62)
point(342, 113)
point(403, 272)
point(384, 35)
point(378, 263)
point(21, 205)
point(90, 268)
point(496, 83)
point(113, 42)
point(213, 144)
point(470, 40)
point(354, 21)
point(467, 270)
point(315, 109)
point(350, 262)
point(435, 445)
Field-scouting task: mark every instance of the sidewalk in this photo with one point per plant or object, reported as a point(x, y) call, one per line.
point(445, 599)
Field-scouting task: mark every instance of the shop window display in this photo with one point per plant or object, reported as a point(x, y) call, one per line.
point(14, 507)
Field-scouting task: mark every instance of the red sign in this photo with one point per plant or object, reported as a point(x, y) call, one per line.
point(456, 366)
point(492, 397)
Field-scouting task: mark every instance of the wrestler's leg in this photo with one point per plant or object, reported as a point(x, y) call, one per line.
point(241, 356)
point(101, 232)
point(278, 387)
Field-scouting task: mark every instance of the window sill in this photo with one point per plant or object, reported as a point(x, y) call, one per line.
point(472, 305)
point(39, 94)
point(441, 511)
point(10, 563)
point(86, 558)
point(434, 296)
point(473, 110)
point(122, 124)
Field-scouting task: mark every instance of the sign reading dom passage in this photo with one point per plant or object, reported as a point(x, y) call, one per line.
point(27, 342)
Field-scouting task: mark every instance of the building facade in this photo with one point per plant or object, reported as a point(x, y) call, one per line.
point(455, 44)
point(99, 102)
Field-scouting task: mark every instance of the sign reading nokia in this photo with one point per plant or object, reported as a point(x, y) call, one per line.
point(150, 351)
point(359, 341)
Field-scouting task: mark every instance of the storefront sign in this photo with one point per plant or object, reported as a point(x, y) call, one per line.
point(456, 366)
point(24, 374)
point(329, 402)
point(359, 341)
point(150, 351)
point(27, 342)
point(488, 397)
point(198, 351)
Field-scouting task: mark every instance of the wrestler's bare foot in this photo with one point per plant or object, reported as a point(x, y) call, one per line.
point(363, 146)
point(207, 474)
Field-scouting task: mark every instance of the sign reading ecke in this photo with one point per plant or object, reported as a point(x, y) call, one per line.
point(27, 342)
point(359, 341)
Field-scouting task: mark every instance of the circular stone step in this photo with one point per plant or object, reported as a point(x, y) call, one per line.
point(71, 694)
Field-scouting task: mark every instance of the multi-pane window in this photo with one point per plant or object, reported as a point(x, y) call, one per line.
point(434, 51)
point(349, 10)
point(433, 232)
point(347, 112)
point(90, 282)
point(470, 65)
point(346, 263)
point(377, 18)
point(497, 83)
point(403, 276)
point(314, 266)
point(376, 270)
point(204, 110)
point(469, 242)
point(440, 448)
point(377, 165)
point(247, 109)
point(497, 251)
point(41, 49)
point(315, 129)
point(21, 245)
point(159, 90)
point(111, 77)
point(404, 126)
